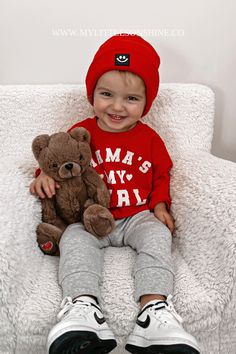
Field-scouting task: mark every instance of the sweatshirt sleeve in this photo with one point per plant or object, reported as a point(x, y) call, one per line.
point(162, 165)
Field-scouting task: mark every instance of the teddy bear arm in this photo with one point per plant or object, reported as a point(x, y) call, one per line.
point(48, 211)
point(96, 188)
point(103, 196)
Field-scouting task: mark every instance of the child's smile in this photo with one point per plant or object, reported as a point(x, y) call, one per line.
point(116, 117)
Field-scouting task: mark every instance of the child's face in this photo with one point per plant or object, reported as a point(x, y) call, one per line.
point(119, 100)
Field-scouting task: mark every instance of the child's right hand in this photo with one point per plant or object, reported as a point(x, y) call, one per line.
point(44, 186)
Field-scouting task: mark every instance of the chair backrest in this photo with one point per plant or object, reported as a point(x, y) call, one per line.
point(183, 115)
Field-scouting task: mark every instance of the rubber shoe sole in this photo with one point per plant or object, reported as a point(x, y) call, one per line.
point(162, 349)
point(81, 342)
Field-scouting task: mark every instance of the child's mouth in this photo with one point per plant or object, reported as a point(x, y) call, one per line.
point(116, 117)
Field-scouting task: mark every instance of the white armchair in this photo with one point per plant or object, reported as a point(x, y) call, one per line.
point(203, 189)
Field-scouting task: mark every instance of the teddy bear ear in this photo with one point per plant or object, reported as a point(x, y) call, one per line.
point(80, 134)
point(39, 143)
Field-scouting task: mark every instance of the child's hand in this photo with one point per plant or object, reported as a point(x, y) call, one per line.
point(164, 216)
point(44, 186)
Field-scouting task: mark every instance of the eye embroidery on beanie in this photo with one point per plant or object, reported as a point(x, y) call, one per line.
point(122, 59)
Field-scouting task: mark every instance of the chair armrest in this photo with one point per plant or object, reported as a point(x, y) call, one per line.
point(204, 186)
point(203, 205)
point(26, 274)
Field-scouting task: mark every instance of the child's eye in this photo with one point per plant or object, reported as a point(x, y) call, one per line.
point(106, 94)
point(132, 98)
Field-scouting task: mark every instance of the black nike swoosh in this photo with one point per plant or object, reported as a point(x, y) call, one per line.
point(144, 324)
point(98, 319)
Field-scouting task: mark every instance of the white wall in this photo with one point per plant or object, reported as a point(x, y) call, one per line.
point(53, 41)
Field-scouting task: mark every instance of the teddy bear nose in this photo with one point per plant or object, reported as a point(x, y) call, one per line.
point(69, 166)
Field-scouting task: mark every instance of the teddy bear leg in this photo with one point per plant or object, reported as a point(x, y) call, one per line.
point(48, 237)
point(98, 220)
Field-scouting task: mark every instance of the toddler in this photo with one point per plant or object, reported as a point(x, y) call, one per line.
point(122, 82)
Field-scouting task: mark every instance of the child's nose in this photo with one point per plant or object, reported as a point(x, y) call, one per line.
point(118, 105)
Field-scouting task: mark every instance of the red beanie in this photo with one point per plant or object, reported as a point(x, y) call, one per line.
point(128, 53)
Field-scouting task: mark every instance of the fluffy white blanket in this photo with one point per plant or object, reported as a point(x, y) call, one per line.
point(204, 203)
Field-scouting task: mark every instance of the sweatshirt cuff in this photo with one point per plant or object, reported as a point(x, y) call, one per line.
point(167, 201)
point(37, 172)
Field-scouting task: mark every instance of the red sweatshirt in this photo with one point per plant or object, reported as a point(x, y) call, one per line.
point(134, 165)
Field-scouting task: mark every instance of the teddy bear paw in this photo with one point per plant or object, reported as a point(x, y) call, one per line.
point(98, 220)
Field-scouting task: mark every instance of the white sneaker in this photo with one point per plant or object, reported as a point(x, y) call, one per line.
point(82, 329)
point(158, 330)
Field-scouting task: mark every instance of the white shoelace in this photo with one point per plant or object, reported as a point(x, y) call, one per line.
point(78, 307)
point(170, 308)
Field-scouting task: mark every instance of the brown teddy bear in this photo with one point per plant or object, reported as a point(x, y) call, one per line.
point(82, 196)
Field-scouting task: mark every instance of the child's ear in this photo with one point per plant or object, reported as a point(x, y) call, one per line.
point(80, 134)
point(39, 143)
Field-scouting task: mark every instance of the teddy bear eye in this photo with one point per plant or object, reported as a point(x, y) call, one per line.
point(81, 157)
point(54, 165)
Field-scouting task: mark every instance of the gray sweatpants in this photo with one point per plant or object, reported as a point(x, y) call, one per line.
point(81, 256)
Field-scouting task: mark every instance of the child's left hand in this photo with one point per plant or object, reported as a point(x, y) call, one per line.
point(164, 216)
